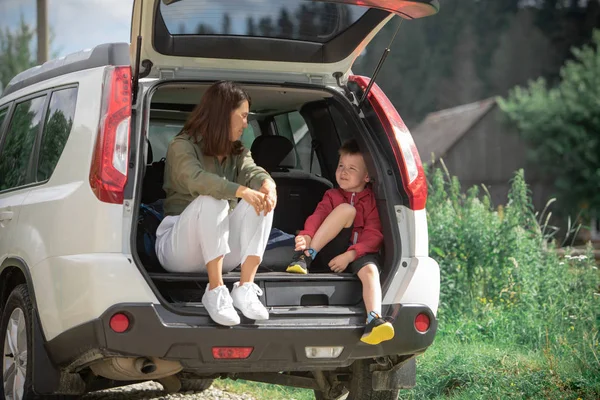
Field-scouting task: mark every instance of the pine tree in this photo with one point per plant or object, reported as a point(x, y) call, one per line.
point(517, 43)
point(15, 51)
point(285, 24)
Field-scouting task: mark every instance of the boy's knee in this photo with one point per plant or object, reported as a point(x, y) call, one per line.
point(346, 213)
point(346, 208)
point(368, 272)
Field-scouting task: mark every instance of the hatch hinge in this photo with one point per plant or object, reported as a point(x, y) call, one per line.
point(166, 74)
point(338, 79)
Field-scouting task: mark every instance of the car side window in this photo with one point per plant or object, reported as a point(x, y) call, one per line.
point(18, 144)
point(57, 128)
point(250, 133)
point(293, 127)
point(160, 135)
point(3, 113)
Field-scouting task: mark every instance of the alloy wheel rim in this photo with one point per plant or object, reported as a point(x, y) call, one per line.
point(14, 368)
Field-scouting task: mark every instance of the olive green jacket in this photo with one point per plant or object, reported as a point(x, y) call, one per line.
point(189, 174)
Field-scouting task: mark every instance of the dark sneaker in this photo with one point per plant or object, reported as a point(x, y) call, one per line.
point(300, 263)
point(378, 330)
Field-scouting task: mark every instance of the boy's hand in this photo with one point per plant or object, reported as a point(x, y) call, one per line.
point(340, 263)
point(302, 242)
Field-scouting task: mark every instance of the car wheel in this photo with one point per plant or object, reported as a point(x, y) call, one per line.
point(361, 384)
point(16, 330)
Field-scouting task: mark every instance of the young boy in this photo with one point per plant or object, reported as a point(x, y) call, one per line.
point(344, 233)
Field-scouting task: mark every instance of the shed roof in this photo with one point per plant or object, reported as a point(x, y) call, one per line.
point(440, 130)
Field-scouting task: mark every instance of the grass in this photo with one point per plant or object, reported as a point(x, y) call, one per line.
point(453, 369)
point(516, 320)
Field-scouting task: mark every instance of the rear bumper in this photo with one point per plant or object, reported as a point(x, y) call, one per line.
point(279, 343)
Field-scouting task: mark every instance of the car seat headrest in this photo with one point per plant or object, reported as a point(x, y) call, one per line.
point(272, 152)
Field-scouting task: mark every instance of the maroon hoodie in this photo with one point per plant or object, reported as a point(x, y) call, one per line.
point(366, 233)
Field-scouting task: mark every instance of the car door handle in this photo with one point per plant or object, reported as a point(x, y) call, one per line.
point(6, 215)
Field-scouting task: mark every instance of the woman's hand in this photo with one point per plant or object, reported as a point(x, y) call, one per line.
point(302, 242)
point(254, 198)
point(270, 191)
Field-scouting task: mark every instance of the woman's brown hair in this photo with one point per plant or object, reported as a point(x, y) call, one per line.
point(211, 119)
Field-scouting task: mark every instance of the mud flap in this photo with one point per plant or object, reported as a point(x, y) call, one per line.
point(401, 376)
point(46, 377)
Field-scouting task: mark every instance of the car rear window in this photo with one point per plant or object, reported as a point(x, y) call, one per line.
point(285, 19)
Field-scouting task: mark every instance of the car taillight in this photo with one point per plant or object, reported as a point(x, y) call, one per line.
point(422, 323)
point(229, 353)
point(403, 145)
point(108, 173)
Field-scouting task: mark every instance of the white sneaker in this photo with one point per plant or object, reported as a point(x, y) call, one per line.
point(219, 305)
point(245, 299)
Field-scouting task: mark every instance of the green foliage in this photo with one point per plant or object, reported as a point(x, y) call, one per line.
point(15, 52)
point(475, 49)
point(451, 369)
point(562, 125)
point(503, 285)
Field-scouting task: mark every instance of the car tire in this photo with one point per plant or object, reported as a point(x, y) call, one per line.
point(17, 313)
point(194, 385)
point(361, 384)
point(17, 346)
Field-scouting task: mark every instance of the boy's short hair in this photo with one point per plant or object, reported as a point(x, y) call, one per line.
point(350, 147)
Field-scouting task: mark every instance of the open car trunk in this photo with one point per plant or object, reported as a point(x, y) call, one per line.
point(309, 118)
point(290, 54)
point(268, 41)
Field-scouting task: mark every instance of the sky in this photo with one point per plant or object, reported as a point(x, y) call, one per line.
point(75, 24)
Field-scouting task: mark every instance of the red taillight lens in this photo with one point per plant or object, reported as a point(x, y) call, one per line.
point(229, 353)
point(422, 323)
point(108, 174)
point(403, 145)
point(119, 323)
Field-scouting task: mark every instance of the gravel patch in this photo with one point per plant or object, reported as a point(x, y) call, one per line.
point(154, 391)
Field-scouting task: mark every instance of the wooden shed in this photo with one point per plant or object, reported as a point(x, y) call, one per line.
point(479, 147)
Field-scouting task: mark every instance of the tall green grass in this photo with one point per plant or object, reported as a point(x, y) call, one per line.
point(503, 285)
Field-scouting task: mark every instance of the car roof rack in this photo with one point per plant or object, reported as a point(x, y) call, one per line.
point(99, 56)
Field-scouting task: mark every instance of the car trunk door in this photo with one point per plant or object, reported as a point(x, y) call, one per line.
point(260, 40)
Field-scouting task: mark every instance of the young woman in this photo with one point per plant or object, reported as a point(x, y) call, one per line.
point(205, 229)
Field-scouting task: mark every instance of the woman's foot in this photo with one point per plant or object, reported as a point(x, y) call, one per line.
point(245, 299)
point(377, 330)
point(219, 304)
point(300, 263)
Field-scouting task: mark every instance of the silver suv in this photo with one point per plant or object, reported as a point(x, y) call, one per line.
point(84, 303)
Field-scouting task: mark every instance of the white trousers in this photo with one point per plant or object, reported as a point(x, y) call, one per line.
point(206, 230)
